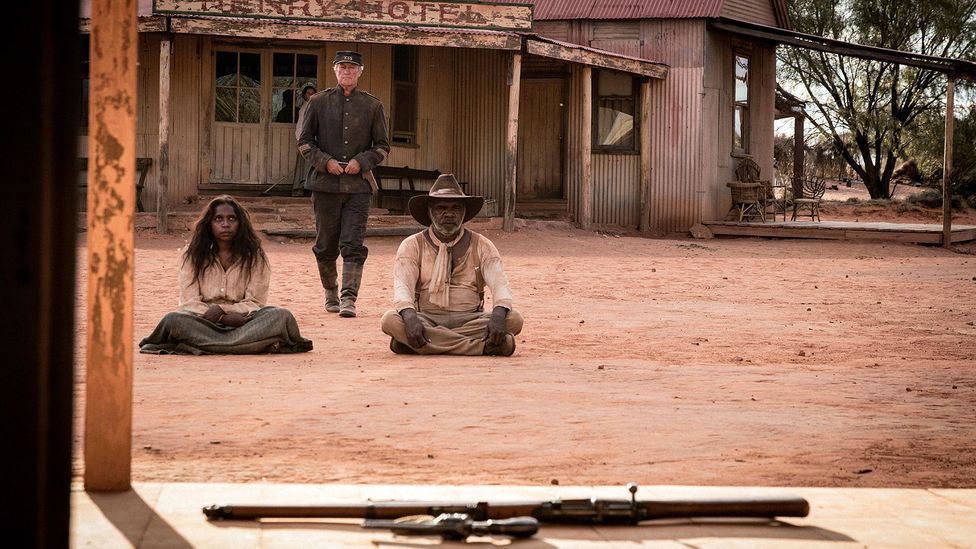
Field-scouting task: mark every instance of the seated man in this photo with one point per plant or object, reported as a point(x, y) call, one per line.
point(439, 276)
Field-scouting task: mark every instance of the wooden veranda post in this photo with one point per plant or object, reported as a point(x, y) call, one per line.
point(162, 204)
point(798, 156)
point(111, 209)
point(586, 141)
point(645, 155)
point(947, 165)
point(511, 140)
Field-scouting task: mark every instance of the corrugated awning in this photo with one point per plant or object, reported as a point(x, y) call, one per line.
point(954, 67)
point(575, 53)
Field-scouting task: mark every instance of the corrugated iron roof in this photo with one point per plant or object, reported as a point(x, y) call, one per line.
point(621, 9)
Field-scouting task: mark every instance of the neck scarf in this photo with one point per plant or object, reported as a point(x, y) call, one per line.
point(440, 284)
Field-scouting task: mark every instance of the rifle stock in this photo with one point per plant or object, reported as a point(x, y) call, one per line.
point(578, 511)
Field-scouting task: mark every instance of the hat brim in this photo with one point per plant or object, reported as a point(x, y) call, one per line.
point(419, 206)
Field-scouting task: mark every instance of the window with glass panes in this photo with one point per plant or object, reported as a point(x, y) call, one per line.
point(615, 112)
point(740, 124)
point(404, 107)
point(290, 72)
point(237, 82)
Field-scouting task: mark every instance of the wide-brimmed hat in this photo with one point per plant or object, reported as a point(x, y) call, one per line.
point(445, 188)
point(353, 57)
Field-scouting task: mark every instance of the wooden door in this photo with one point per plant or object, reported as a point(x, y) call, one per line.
point(240, 115)
point(257, 95)
point(291, 71)
point(540, 137)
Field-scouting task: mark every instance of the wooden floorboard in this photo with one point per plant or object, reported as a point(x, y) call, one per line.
point(919, 233)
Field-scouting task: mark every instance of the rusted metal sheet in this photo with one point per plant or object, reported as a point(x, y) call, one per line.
point(622, 9)
point(480, 121)
point(616, 189)
point(754, 11)
point(676, 150)
point(594, 57)
point(481, 15)
point(340, 32)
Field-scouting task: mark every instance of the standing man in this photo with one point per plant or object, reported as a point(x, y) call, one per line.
point(343, 137)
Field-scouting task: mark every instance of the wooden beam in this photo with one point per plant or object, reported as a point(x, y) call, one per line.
point(645, 156)
point(471, 15)
point(111, 210)
point(586, 148)
point(511, 140)
point(154, 23)
point(595, 58)
point(947, 165)
point(347, 33)
point(162, 188)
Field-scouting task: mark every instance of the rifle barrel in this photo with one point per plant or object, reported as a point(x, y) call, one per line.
point(759, 507)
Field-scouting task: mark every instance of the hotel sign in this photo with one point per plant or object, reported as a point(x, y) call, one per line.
point(472, 15)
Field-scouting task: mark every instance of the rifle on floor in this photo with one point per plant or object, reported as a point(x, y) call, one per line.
point(518, 519)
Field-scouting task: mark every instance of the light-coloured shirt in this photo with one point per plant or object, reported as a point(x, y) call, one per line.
point(229, 288)
point(413, 271)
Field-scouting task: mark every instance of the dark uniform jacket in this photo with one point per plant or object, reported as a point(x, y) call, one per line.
point(344, 128)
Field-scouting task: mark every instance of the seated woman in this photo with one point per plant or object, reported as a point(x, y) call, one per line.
point(224, 283)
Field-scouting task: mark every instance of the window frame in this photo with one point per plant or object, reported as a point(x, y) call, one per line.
point(741, 110)
point(298, 82)
point(260, 87)
point(401, 137)
point(595, 115)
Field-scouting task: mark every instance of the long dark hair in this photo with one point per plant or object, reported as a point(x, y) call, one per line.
point(202, 250)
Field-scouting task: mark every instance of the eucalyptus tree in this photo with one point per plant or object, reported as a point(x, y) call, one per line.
point(869, 109)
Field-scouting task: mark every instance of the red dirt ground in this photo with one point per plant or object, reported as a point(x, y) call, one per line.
point(654, 360)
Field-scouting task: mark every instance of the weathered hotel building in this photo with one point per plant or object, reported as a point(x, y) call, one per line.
point(625, 113)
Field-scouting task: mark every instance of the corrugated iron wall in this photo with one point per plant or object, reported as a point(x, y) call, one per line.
point(616, 189)
point(479, 119)
point(435, 114)
point(676, 123)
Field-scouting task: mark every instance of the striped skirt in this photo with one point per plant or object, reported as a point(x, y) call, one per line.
point(270, 330)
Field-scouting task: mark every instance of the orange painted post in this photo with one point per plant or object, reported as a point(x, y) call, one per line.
point(111, 209)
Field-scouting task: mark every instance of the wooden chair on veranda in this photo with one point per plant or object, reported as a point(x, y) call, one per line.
point(813, 191)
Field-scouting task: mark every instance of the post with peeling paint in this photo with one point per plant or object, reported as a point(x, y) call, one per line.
point(586, 147)
point(111, 209)
point(947, 165)
point(162, 189)
point(645, 156)
point(511, 140)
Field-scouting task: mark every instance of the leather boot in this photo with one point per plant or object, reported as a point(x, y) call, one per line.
point(327, 273)
point(352, 274)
